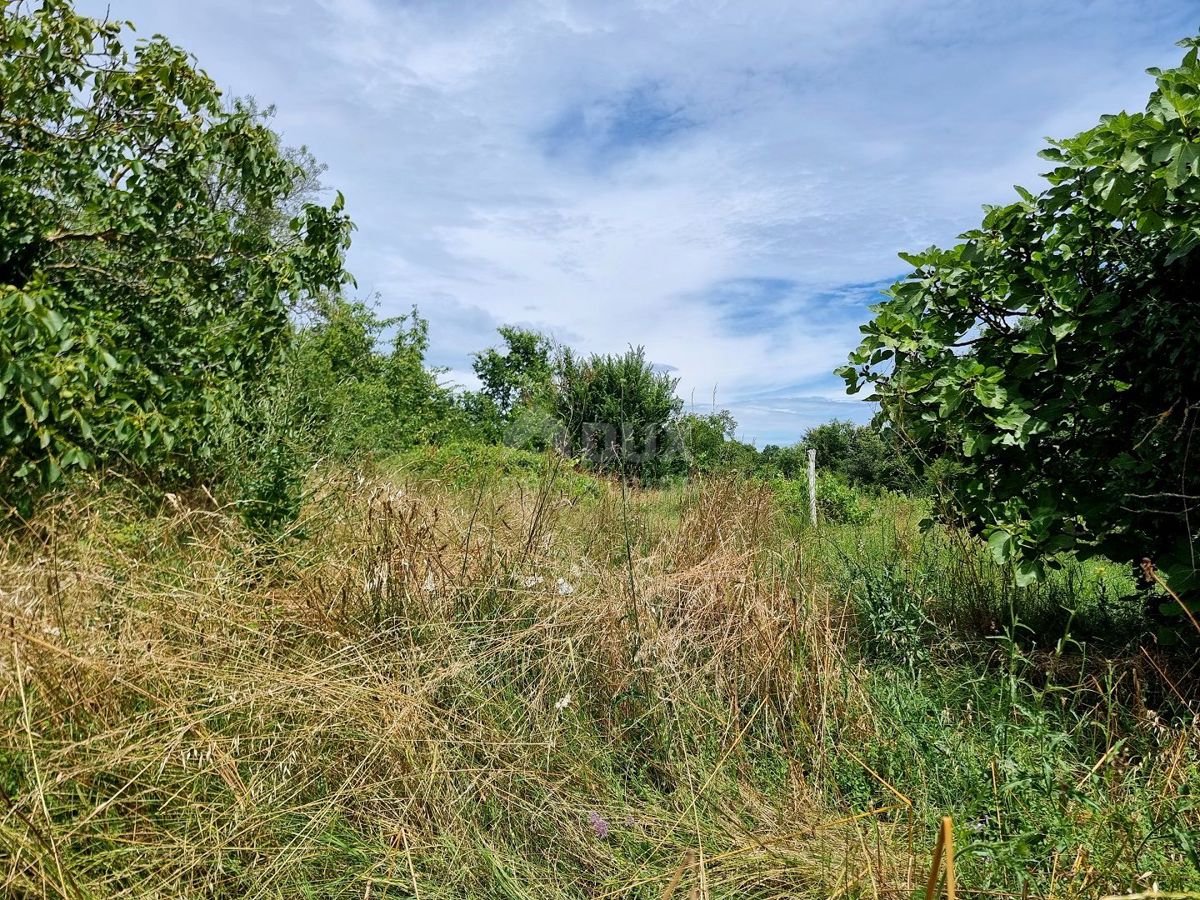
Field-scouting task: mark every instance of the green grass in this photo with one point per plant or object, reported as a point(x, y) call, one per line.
point(451, 669)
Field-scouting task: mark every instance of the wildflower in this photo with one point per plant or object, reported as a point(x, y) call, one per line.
point(533, 581)
point(564, 587)
point(599, 825)
point(562, 702)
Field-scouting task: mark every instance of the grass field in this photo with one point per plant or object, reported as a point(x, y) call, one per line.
point(532, 684)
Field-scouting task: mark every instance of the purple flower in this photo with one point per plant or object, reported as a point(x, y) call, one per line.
point(599, 825)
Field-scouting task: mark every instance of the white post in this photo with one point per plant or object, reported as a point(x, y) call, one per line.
point(812, 485)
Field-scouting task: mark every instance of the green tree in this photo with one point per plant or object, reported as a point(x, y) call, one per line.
point(519, 372)
point(1052, 354)
point(618, 411)
point(145, 265)
point(786, 462)
point(359, 383)
point(710, 446)
point(863, 455)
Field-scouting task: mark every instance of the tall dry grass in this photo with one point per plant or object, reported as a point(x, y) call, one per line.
point(503, 691)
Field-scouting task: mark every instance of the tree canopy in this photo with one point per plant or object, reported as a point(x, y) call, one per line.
point(1053, 352)
point(618, 410)
point(147, 254)
point(513, 375)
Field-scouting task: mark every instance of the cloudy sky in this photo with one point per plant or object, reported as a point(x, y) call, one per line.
point(726, 183)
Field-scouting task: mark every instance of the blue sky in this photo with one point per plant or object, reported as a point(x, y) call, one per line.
point(727, 183)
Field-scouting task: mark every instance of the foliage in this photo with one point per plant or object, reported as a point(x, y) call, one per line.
point(617, 411)
point(264, 453)
point(469, 464)
point(1052, 352)
point(517, 374)
point(709, 445)
point(145, 262)
point(862, 454)
point(893, 623)
point(784, 462)
point(837, 502)
point(355, 395)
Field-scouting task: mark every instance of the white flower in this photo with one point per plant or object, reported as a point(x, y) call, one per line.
point(564, 587)
point(533, 580)
point(562, 702)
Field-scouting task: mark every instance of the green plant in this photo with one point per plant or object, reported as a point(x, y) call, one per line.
point(150, 243)
point(1051, 353)
point(863, 455)
point(837, 502)
point(519, 373)
point(891, 609)
point(354, 394)
point(617, 411)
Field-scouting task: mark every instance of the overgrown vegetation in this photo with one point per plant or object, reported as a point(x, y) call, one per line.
point(467, 684)
point(1052, 353)
point(284, 614)
point(151, 241)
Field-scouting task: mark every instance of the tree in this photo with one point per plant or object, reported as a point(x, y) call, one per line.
point(861, 454)
point(1053, 353)
point(145, 265)
point(786, 462)
point(355, 395)
point(710, 446)
point(514, 375)
point(618, 411)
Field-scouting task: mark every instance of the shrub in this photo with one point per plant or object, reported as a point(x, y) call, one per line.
point(837, 502)
point(149, 246)
point(1052, 352)
point(617, 411)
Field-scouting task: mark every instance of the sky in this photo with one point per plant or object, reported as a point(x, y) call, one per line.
point(725, 183)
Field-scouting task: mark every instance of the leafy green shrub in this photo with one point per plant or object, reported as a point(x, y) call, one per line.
point(617, 412)
point(150, 240)
point(1052, 352)
point(519, 373)
point(264, 454)
point(891, 614)
point(837, 502)
point(863, 455)
point(354, 396)
point(709, 446)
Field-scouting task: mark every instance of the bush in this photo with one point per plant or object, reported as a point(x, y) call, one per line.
point(837, 502)
point(1052, 352)
point(134, 306)
point(617, 412)
point(355, 396)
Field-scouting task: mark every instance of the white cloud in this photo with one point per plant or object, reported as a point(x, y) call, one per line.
point(599, 169)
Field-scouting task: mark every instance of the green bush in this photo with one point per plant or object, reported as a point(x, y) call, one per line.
point(617, 412)
point(134, 305)
point(837, 502)
point(356, 396)
point(1052, 352)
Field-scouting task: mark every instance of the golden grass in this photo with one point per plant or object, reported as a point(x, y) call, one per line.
point(426, 697)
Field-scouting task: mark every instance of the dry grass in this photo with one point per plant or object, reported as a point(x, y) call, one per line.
point(428, 696)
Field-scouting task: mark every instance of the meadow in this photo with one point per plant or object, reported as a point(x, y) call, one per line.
point(286, 612)
point(487, 674)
